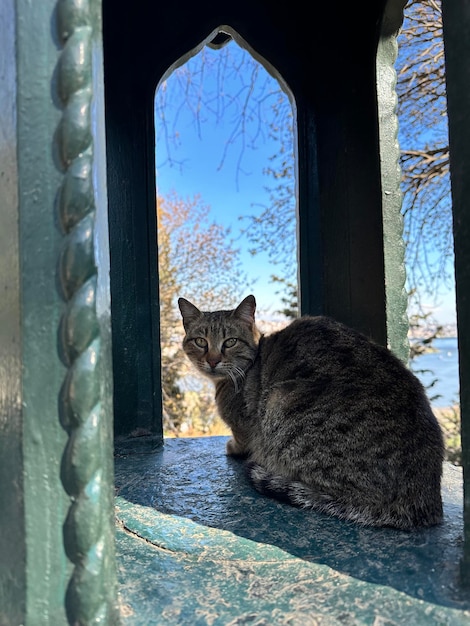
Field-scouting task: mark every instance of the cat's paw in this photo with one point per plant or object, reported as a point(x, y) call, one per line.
point(234, 448)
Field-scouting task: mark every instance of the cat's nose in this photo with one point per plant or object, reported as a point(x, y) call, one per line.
point(213, 361)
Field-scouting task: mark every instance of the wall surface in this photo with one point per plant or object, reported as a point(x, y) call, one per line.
point(56, 489)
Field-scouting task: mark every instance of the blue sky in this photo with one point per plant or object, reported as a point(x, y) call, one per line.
point(193, 158)
point(228, 197)
point(443, 308)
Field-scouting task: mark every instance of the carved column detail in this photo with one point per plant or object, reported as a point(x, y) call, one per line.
point(394, 248)
point(83, 473)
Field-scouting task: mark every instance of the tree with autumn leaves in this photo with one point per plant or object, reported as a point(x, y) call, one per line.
point(197, 260)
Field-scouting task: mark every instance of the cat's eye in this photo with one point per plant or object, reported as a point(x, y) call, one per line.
point(200, 342)
point(229, 343)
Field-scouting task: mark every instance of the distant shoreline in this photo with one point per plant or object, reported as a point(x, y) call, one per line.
point(446, 331)
point(442, 331)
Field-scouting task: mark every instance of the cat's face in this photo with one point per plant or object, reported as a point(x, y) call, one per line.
point(221, 344)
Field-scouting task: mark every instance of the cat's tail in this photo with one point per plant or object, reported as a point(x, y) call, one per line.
point(289, 491)
point(301, 495)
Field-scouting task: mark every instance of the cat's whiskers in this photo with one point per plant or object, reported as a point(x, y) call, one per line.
point(236, 374)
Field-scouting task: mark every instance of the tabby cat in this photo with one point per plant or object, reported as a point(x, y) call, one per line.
point(327, 419)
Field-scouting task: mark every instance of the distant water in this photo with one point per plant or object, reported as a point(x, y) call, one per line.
point(443, 367)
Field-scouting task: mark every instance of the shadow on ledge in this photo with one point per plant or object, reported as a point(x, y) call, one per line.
point(194, 479)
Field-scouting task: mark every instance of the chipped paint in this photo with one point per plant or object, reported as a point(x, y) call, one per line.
point(196, 545)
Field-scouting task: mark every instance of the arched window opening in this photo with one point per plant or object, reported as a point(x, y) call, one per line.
point(226, 205)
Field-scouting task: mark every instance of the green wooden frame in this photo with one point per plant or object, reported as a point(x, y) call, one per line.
point(63, 183)
point(456, 24)
point(348, 175)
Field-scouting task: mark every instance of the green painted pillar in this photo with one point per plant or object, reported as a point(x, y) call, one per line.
point(12, 542)
point(56, 488)
point(456, 24)
point(394, 247)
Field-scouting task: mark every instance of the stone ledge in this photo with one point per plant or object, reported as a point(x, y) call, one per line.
point(197, 545)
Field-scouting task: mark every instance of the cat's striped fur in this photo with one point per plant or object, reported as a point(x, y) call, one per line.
point(326, 419)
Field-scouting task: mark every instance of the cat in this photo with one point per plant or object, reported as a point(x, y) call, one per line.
point(324, 418)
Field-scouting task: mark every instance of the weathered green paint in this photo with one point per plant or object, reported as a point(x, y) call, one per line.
point(394, 247)
point(197, 545)
point(33, 502)
point(132, 224)
point(38, 142)
point(85, 401)
point(456, 23)
point(12, 538)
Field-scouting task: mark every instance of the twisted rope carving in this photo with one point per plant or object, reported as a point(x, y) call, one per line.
point(83, 476)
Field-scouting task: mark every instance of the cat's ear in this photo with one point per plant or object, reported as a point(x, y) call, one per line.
point(189, 312)
point(246, 310)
